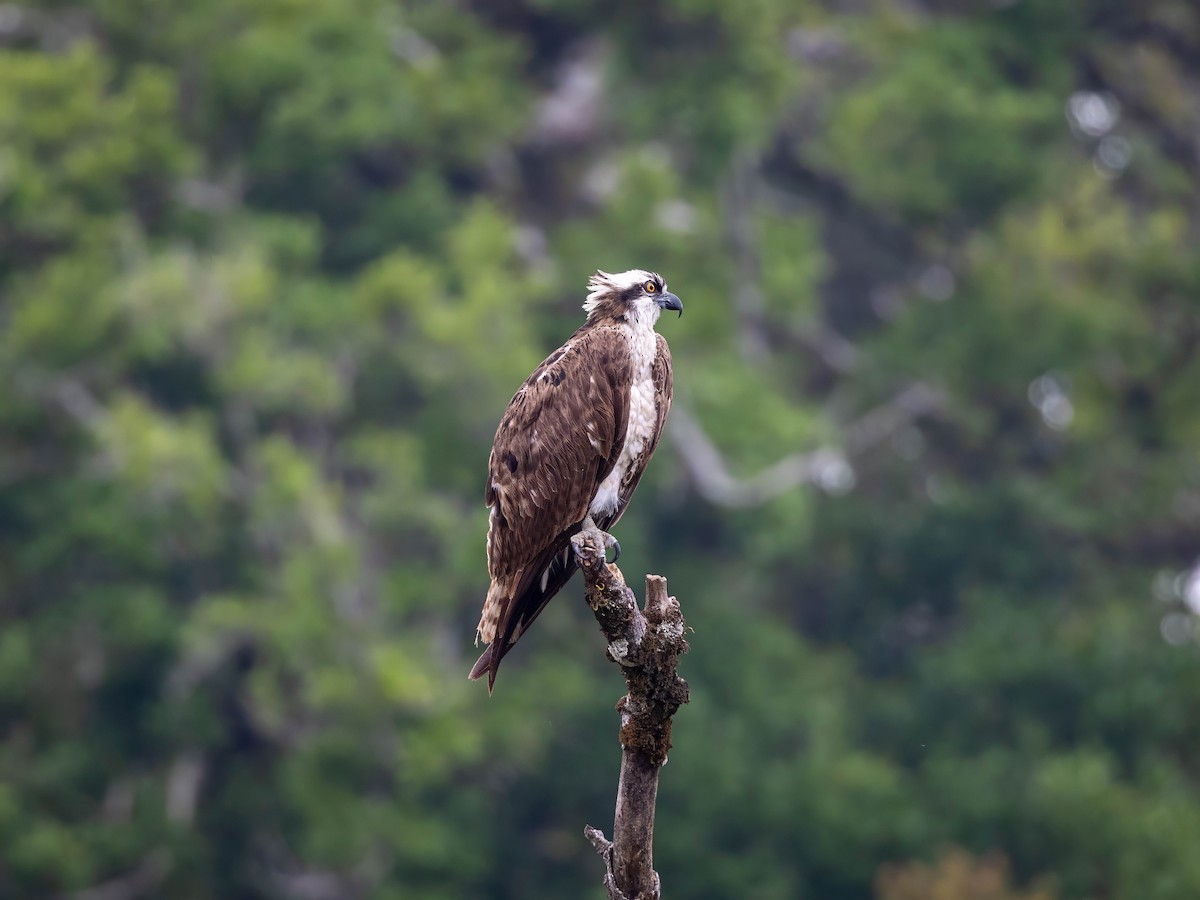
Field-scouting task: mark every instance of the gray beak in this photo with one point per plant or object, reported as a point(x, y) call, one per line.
point(669, 301)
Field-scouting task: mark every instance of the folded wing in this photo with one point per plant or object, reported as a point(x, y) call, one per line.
point(557, 441)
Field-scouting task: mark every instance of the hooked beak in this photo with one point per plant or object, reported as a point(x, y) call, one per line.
point(669, 301)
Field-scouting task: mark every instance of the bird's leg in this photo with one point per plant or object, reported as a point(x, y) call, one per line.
point(610, 542)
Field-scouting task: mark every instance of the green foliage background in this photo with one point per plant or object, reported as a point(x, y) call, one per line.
point(269, 272)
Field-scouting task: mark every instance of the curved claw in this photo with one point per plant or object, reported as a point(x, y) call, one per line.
point(611, 543)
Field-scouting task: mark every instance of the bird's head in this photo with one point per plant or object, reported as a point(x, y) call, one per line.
point(637, 297)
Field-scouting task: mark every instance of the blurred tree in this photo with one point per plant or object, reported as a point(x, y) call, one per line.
point(269, 271)
point(956, 876)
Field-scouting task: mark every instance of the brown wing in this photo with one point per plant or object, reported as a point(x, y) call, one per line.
point(662, 401)
point(558, 439)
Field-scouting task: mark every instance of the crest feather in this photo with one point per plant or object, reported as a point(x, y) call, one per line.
point(604, 285)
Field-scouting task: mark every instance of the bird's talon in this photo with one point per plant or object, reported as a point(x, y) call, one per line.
point(611, 543)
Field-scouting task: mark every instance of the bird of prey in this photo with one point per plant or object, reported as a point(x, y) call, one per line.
point(572, 445)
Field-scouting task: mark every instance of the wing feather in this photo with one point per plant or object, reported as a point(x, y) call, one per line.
point(558, 439)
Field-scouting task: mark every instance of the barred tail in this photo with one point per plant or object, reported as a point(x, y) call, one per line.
point(503, 623)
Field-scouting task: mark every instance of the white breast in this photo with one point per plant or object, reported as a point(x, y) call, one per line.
point(643, 418)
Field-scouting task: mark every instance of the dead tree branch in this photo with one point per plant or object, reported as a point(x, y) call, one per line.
point(646, 644)
point(828, 467)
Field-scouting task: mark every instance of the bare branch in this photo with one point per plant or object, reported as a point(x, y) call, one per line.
point(605, 848)
point(646, 644)
point(827, 467)
point(883, 421)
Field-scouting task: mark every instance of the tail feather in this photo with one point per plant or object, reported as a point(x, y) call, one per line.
point(545, 578)
point(486, 663)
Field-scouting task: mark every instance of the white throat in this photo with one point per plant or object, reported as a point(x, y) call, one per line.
point(643, 314)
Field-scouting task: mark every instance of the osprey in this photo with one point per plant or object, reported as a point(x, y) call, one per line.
point(572, 445)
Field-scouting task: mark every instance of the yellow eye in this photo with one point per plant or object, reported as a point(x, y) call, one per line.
point(651, 287)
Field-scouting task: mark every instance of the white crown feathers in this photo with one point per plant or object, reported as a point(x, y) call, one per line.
point(605, 284)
